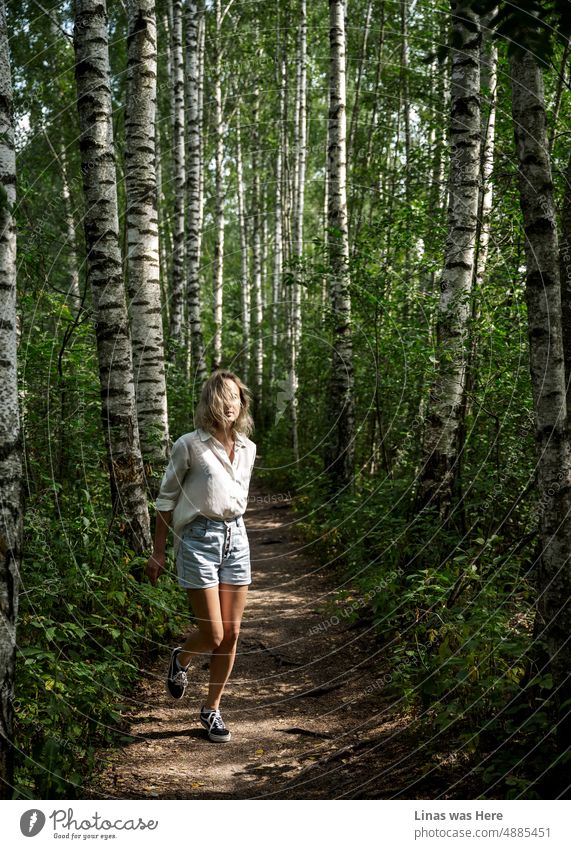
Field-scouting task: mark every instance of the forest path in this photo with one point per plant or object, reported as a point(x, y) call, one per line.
point(304, 702)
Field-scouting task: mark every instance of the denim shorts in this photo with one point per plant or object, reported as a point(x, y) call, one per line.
point(212, 552)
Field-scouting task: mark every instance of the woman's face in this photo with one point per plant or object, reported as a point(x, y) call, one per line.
point(231, 401)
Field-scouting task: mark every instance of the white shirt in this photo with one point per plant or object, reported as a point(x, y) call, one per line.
point(200, 479)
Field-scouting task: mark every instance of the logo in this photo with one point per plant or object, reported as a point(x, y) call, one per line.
point(32, 822)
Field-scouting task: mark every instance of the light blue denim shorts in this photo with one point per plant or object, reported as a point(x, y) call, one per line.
point(213, 552)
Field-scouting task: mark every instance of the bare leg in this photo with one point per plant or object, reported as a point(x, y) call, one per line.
point(232, 604)
point(205, 605)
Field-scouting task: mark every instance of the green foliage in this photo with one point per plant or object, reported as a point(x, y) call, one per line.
point(86, 625)
point(86, 628)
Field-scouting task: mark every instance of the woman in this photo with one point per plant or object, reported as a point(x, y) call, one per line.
point(204, 493)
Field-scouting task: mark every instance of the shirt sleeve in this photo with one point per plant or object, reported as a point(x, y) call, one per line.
point(171, 484)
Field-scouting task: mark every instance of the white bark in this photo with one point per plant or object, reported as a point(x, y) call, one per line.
point(245, 285)
point(143, 261)
point(73, 267)
point(104, 272)
point(194, 25)
point(257, 253)
point(218, 265)
point(11, 506)
point(340, 447)
point(278, 230)
point(439, 448)
point(163, 229)
point(179, 164)
point(299, 204)
point(489, 73)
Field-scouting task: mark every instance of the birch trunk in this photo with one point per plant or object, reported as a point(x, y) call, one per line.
point(265, 236)
point(278, 230)
point(287, 195)
point(257, 254)
point(543, 297)
point(194, 24)
point(439, 449)
point(177, 289)
point(163, 229)
point(339, 457)
point(73, 267)
point(143, 261)
point(324, 282)
point(165, 218)
point(104, 272)
point(219, 213)
point(489, 72)
point(245, 288)
point(11, 498)
point(300, 165)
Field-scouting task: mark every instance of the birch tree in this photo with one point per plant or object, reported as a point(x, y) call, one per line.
point(543, 298)
point(439, 448)
point(245, 282)
point(488, 75)
point(73, 267)
point(104, 272)
point(299, 205)
point(278, 214)
point(194, 64)
point(257, 252)
point(489, 81)
point(218, 265)
point(339, 455)
point(179, 164)
point(10, 430)
point(143, 261)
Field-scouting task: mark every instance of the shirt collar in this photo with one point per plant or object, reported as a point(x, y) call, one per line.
point(205, 434)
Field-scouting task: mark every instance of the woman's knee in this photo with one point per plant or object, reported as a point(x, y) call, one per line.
point(231, 633)
point(212, 637)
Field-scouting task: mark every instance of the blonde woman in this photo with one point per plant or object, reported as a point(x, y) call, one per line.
point(203, 495)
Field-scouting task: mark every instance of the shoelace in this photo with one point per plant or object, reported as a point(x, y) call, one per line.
point(215, 720)
point(180, 678)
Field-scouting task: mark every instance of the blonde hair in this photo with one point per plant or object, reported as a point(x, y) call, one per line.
point(210, 409)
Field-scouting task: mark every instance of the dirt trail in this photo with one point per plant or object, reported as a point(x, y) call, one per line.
point(304, 702)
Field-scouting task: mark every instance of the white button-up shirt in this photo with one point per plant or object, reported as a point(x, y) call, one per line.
point(200, 479)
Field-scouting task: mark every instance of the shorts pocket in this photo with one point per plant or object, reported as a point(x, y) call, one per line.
point(196, 530)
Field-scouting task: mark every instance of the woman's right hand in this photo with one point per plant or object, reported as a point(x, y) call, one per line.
point(155, 566)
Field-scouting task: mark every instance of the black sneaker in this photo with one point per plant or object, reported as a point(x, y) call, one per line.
point(177, 680)
point(214, 724)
